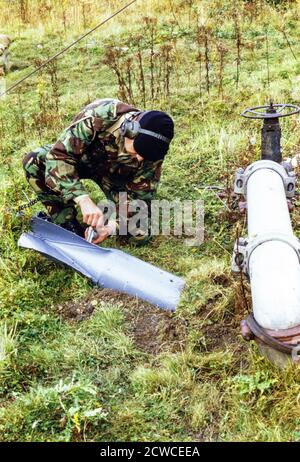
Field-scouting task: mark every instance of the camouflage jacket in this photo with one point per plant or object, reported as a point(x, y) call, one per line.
point(89, 149)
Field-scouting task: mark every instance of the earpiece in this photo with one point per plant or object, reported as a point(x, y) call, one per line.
point(132, 128)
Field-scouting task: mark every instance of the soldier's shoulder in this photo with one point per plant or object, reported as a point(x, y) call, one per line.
point(101, 102)
point(112, 106)
point(94, 107)
point(106, 109)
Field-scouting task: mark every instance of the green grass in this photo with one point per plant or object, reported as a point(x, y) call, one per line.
point(89, 380)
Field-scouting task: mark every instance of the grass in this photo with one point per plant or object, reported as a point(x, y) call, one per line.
point(65, 379)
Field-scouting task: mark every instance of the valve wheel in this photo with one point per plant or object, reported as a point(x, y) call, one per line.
point(272, 111)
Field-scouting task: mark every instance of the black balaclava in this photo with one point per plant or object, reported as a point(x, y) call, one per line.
point(147, 146)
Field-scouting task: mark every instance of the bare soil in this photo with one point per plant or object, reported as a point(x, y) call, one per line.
point(155, 330)
point(152, 329)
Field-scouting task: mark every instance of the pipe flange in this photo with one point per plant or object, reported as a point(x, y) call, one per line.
point(239, 260)
point(242, 177)
point(244, 247)
point(251, 330)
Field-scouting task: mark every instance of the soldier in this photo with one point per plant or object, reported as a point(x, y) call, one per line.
point(117, 146)
point(5, 42)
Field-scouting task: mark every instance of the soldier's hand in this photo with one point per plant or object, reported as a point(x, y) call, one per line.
point(101, 235)
point(91, 214)
point(104, 232)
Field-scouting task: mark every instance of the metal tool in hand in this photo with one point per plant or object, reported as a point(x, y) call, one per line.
point(91, 235)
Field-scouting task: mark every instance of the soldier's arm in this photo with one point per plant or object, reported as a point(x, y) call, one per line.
point(61, 173)
point(143, 187)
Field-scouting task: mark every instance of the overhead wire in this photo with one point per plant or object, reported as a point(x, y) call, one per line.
point(12, 87)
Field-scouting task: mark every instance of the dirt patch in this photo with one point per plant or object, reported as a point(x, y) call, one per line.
point(152, 329)
point(221, 328)
point(77, 311)
point(155, 330)
point(220, 335)
point(222, 280)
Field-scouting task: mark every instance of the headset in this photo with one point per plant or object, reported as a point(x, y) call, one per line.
point(132, 128)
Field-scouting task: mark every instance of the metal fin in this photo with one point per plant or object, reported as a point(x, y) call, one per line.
point(106, 267)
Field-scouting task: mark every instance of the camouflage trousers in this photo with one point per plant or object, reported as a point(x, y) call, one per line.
point(34, 166)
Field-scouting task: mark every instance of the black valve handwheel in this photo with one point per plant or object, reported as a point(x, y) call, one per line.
point(271, 112)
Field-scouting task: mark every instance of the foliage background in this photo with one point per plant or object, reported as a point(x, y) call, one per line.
point(82, 364)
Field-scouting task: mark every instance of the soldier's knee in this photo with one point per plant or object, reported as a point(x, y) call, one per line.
point(28, 160)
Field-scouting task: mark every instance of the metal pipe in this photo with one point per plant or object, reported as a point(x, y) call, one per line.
point(270, 254)
point(273, 265)
point(270, 257)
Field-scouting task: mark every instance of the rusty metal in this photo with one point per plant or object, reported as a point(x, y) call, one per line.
point(247, 333)
point(291, 336)
point(283, 340)
point(282, 344)
point(271, 131)
point(271, 137)
point(279, 347)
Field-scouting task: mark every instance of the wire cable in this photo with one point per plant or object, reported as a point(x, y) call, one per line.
point(67, 48)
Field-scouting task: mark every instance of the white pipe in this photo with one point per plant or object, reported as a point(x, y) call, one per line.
point(274, 267)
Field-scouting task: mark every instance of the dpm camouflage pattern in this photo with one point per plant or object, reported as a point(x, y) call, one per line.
point(87, 150)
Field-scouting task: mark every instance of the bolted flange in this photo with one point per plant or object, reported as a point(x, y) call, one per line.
point(242, 176)
point(244, 247)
